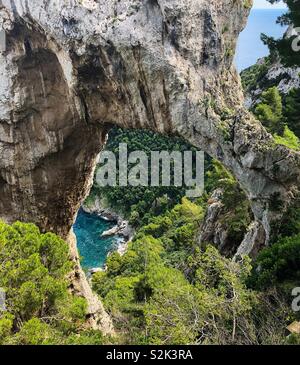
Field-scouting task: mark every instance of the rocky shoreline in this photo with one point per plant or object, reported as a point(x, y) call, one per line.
point(105, 213)
point(122, 229)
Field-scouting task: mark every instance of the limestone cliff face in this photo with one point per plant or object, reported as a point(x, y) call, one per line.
point(72, 68)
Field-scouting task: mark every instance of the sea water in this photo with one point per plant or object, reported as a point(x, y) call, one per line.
point(250, 47)
point(93, 248)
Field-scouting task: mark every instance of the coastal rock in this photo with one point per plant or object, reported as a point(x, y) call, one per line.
point(72, 69)
point(122, 228)
point(110, 232)
point(95, 270)
point(96, 207)
point(123, 247)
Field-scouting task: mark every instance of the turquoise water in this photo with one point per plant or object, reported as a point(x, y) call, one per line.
point(250, 47)
point(92, 247)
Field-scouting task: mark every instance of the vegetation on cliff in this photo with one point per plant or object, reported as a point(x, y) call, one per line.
point(167, 289)
point(278, 111)
point(40, 308)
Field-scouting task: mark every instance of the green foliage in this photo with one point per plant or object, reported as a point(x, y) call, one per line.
point(293, 339)
point(139, 204)
point(33, 273)
point(269, 111)
point(254, 75)
point(177, 229)
point(86, 337)
point(289, 139)
point(218, 176)
point(166, 290)
point(171, 313)
point(276, 111)
point(278, 264)
point(236, 213)
point(289, 224)
point(292, 111)
point(35, 332)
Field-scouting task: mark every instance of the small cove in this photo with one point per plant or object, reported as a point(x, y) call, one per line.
point(92, 247)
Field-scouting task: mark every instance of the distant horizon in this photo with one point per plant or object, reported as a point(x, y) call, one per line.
point(250, 47)
point(265, 5)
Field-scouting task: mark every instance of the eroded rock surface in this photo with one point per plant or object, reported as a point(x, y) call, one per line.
point(73, 68)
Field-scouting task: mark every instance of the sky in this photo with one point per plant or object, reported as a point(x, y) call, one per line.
point(264, 4)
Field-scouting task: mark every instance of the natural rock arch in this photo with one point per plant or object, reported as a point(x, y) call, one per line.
point(73, 68)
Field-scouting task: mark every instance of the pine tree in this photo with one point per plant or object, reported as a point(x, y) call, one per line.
point(269, 111)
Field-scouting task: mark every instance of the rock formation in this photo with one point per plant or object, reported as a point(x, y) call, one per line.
point(73, 68)
point(211, 229)
point(275, 74)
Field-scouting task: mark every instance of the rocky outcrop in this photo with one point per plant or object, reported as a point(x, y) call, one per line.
point(73, 68)
point(215, 230)
point(97, 207)
point(122, 229)
point(254, 240)
point(212, 230)
point(275, 74)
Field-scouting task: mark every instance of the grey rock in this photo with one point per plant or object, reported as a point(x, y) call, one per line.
point(210, 230)
point(254, 240)
point(97, 207)
point(284, 78)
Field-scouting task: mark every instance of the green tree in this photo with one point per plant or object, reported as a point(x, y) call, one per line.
point(215, 310)
point(269, 110)
point(278, 264)
point(292, 111)
point(139, 204)
point(34, 271)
